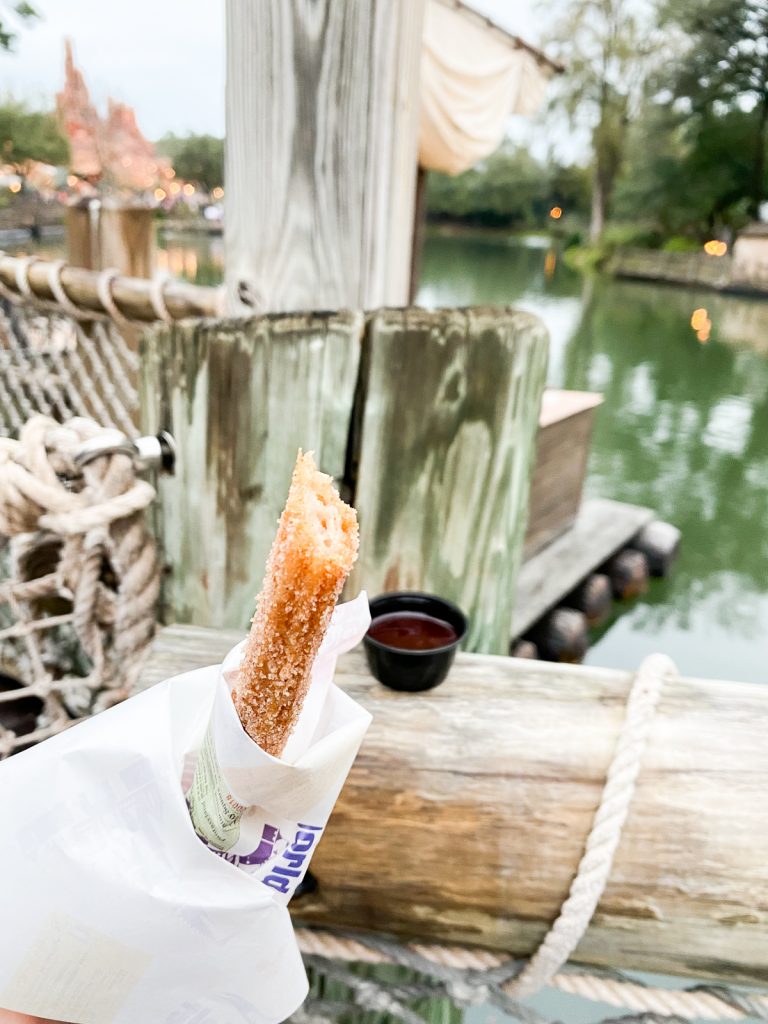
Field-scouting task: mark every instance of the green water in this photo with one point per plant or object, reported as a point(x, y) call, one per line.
point(684, 430)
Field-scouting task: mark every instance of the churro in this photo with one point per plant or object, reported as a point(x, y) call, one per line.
point(312, 554)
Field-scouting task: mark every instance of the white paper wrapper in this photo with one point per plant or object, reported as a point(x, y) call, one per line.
point(113, 910)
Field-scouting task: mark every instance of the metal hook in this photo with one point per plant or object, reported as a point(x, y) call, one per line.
point(154, 451)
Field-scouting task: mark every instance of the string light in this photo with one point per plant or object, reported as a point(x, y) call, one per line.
point(556, 213)
point(715, 248)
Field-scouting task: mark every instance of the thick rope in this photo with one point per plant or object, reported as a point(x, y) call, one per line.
point(157, 298)
point(595, 866)
point(104, 284)
point(77, 538)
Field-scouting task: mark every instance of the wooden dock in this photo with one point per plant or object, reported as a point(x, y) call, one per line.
point(601, 528)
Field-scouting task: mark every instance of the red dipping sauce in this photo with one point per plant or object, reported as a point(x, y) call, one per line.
point(411, 631)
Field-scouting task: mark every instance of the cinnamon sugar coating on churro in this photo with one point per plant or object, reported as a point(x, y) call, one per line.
point(312, 554)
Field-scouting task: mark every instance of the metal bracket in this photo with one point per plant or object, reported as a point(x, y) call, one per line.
point(154, 451)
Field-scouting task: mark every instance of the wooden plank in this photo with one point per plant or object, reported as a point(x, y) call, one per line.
point(466, 812)
point(558, 404)
point(600, 529)
point(445, 449)
point(240, 398)
point(562, 451)
point(558, 477)
point(321, 152)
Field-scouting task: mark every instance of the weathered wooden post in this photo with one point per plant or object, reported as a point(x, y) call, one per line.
point(321, 152)
point(447, 433)
point(101, 234)
point(240, 397)
point(440, 414)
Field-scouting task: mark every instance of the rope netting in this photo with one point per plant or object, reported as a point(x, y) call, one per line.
point(77, 614)
point(61, 360)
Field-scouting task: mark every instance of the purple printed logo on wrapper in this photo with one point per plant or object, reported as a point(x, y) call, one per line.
point(287, 874)
point(292, 857)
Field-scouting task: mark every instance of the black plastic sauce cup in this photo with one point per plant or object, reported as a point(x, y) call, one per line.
point(413, 670)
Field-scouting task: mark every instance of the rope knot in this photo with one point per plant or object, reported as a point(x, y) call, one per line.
point(82, 560)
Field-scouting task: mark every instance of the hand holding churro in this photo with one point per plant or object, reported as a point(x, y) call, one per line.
point(311, 557)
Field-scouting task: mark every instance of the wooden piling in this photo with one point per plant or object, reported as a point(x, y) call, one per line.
point(628, 573)
point(321, 152)
point(466, 812)
point(117, 236)
point(593, 597)
point(660, 543)
point(240, 398)
point(524, 649)
point(446, 430)
point(562, 635)
point(432, 440)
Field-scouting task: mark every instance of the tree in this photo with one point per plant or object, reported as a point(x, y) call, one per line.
point(725, 69)
point(689, 175)
point(604, 46)
point(27, 135)
point(19, 12)
point(197, 158)
point(569, 188)
point(507, 189)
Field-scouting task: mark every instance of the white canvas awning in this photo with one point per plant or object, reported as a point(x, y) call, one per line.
point(473, 76)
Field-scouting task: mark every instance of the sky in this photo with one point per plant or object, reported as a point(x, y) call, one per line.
point(163, 57)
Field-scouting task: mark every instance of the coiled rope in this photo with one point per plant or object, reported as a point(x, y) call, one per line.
point(80, 557)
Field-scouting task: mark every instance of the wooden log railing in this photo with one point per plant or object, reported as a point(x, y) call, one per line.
point(132, 296)
point(466, 812)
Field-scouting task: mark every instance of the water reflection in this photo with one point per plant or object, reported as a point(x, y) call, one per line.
point(684, 429)
point(198, 258)
point(695, 450)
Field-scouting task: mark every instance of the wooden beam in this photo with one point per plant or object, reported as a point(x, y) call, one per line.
point(446, 437)
point(131, 295)
point(466, 812)
point(601, 528)
point(240, 398)
point(553, 67)
point(321, 152)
